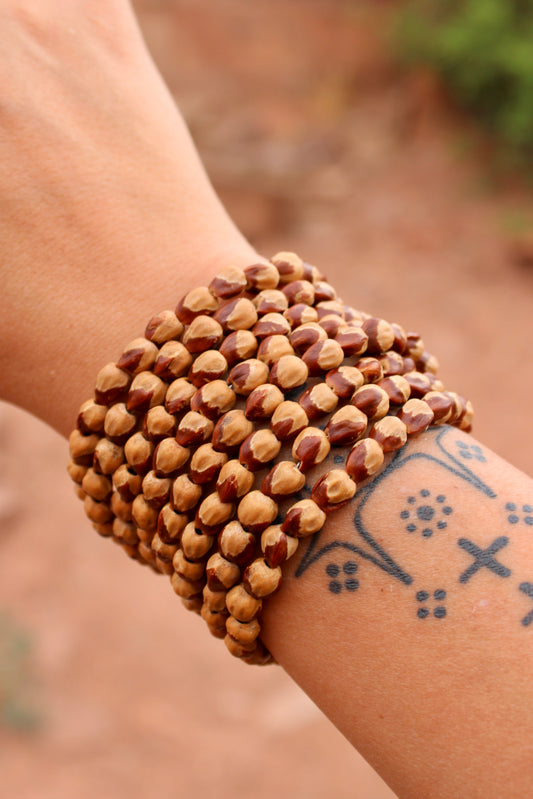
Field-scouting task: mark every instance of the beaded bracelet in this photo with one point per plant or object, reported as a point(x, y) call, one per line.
point(177, 456)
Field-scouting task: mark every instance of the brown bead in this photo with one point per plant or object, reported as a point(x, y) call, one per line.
point(98, 486)
point(332, 324)
point(300, 291)
point(260, 580)
point(98, 512)
point(184, 588)
point(467, 416)
point(213, 513)
point(170, 525)
point(353, 340)
point(125, 532)
point(329, 307)
point(214, 600)
point(318, 400)
point(145, 553)
point(420, 384)
point(191, 570)
point(169, 457)
point(380, 335)
point(256, 511)
point(289, 265)
point(163, 327)
point(193, 429)
point(310, 447)
point(365, 460)
point(352, 315)
point(146, 390)
point(415, 346)
point(441, 404)
point(206, 464)
point(237, 314)
point(172, 361)
point(234, 481)
point(138, 356)
point(303, 518)
point(195, 544)
point(230, 431)
point(306, 335)
point(221, 574)
point(120, 507)
point(197, 302)
point(111, 384)
point(416, 415)
point(392, 363)
point(213, 399)
point(236, 544)
point(143, 514)
point(179, 395)
point(91, 417)
point(158, 423)
point(243, 632)
point(272, 348)
point(238, 649)
point(408, 364)
point(164, 551)
point(82, 447)
point(262, 276)
point(323, 356)
point(344, 381)
point(156, 489)
point(400, 338)
point(333, 490)
point(119, 423)
point(76, 471)
point(127, 482)
point(107, 456)
point(288, 420)
point(193, 603)
point(271, 324)
point(427, 363)
point(258, 449)
point(209, 365)
point(390, 433)
point(282, 480)
point(263, 401)
point(246, 376)
point(216, 621)
point(185, 494)
point(289, 372)
point(277, 546)
point(300, 314)
point(270, 301)
point(242, 605)
point(371, 369)
point(346, 426)
point(238, 346)
point(312, 273)
point(397, 389)
point(204, 333)
point(228, 282)
point(138, 452)
point(372, 400)
point(324, 291)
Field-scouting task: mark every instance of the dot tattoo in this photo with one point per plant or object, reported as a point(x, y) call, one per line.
point(471, 451)
point(425, 514)
point(423, 597)
point(344, 574)
point(514, 512)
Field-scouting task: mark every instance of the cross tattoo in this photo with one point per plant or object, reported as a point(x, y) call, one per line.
point(527, 589)
point(484, 558)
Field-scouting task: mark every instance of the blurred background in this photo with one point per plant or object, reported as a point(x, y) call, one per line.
point(390, 144)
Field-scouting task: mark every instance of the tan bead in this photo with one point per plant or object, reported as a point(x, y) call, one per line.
point(466, 418)
point(353, 340)
point(158, 423)
point(98, 486)
point(365, 460)
point(277, 546)
point(256, 511)
point(185, 494)
point(163, 550)
point(193, 603)
point(441, 404)
point(333, 490)
point(121, 507)
point(289, 265)
point(312, 273)
point(303, 518)
point(420, 384)
point(238, 649)
point(98, 512)
point(260, 580)
point(262, 402)
point(156, 489)
point(82, 447)
point(242, 605)
point(262, 276)
point(231, 430)
point(310, 447)
point(344, 381)
point(238, 346)
point(397, 389)
point(299, 291)
point(146, 390)
point(213, 399)
point(143, 514)
point(170, 525)
point(427, 363)
point(138, 356)
point(145, 553)
point(107, 456)
point(353, 316)
point(408, 365)
point(270, 301)
point(243, 632)
point(119, 423)
point(282, 480)
point(195, 544)
point(415, 346)
point(163, 327)
point(194, 428)
point(173, 360)
point(400, 338)
point(197, 302)
point(370, 368)
point(185, 588)
point(234, 481)
point(306, 335)
point(390, 433)
point(111, 384)
point(204, 333)
point(213, 513)
point(289, 372)
point(80, 493)
point(346, 426)
point(179, 395)
point(91, 417)
point(138, 451)
point(209, 365)
point(246, 376)
point(332, 324)
point(237, 314)
point(329, 308)
point(125, 532)
point(221, 574)
point(288, 420)
point(392, 363)
point(271, 324)
point(324, 291)
point(76, 472)
point(191, 570)
point(372, 400)
point(318, 400)
point(215, 620)
point(416, 415)
point(272, 348)
point(169, 457)
point(236, 544)
point(214, 600)
point(300, 314)
point(323, 356)
point(380, 335)
point(127, 482)
point(258, 449)
point(206, 464)
point(228, 282)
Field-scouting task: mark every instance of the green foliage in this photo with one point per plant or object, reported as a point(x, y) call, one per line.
point(484, 51)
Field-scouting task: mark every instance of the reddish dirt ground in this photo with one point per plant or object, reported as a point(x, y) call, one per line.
point(317, 143)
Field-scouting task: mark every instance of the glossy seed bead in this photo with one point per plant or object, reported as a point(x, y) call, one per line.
point(156, 489)
point(390, 433)
point(282, 480)
point(163, 327)
point(221, 574)
point(242, 605)
point(204, 333)
point(108, 457)
point(416, 415)
point(243, 632)
point(288, 420)
point(216, 622)
point(214, 600)
point(299, 291)
point(185, 494)
point(364, 460)
point(246, 376)
point(344, 381)
point(234, 481)
point(193, 603)
point(262, 402)
point(415, 346)
point(138, 356)
point(238, 649)
point(258, 449)
point(81, 447)
point(195, 544)
point(213, 399)
point(328, 308)
point(98, 486)
point(98, 512)
point(256, 511)
point(310, 447)
point(306, 335)
point(372, 400)
point(76, 471)
point(193, 429)
point(380, 335)
point(143, 514)
point(262, 276)
point(303, 518)
point(260, 580)
point(191, 570)
point(318, 400)
point(300, 314)
point(370, 368)
point(121, 508)
point(323, 356)
point(419, 383)
point(332, 324)
point(346, 426)
point(146, 390)
point(213, 513)
point(333, 490)
point(91, 417)
point(206, 464)
point(228, 282)
point(169, 457)
point(163, 550)
point(441, 404)
point(289, 265)
point(158, 424)
point(397, 389)
point(170, 525)
point(427, 363)
point(288, 372)
point(271, 324)
point(179, 395)
point(353, 340)
point(111, 384)
point(312, 273)
point(209, 365)
point(185, 588)
point(270, 301)
point(127, 482)
point(324, 291)
point(230, 431)
point(392, 363)
point(237, 314)
point(466, 419)
point(400, 338)
point(236, 544)
point(125, 532)
point(197, 302)
point(238, 346)
point(272, 348)
point(277, 546)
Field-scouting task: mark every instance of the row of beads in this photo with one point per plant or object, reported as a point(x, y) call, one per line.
point(170, 456)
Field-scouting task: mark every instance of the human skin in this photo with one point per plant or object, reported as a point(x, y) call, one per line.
point(108, 217)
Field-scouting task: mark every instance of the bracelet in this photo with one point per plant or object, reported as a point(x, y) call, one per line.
point(177, 456)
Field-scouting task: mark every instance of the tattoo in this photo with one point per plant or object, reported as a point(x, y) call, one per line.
point(424, 514)
point(350, 583)
point(439, 612)
point(471, 451)
point(513, 513)
point(483, 558)
point(527, 589)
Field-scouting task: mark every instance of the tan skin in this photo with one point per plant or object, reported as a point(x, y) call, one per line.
point(108, 217)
